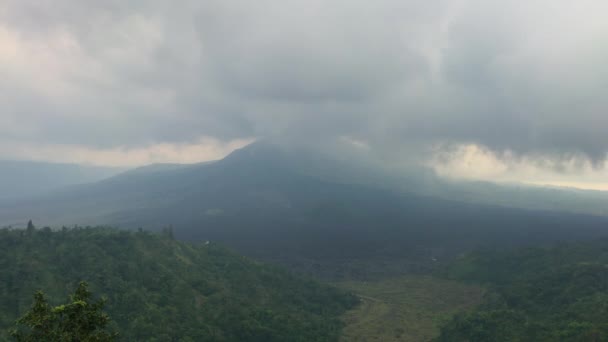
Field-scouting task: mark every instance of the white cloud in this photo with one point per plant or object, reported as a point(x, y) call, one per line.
point(474, 162)
point(203, 150)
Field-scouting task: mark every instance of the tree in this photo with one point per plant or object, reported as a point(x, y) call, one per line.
point(168, 232)
point(81, 320)
point(30, 226)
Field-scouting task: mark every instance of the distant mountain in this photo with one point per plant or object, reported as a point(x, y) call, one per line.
point(306, 210)
point(159, 289)
point(27, 178)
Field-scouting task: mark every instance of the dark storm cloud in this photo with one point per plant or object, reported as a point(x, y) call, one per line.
point(527, 77)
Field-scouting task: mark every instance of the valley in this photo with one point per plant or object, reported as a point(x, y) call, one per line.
point(267, 246)
point(406, 308)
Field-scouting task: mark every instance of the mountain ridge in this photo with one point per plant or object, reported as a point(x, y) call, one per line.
point(269, 203)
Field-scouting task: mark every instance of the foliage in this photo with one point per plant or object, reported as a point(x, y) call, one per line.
point(159, 289)
point(537, 294)
point(406, 308)
point(79, 320)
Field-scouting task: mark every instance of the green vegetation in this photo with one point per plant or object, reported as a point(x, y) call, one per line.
point(408, 308)
point(79, 320)
point(158, 289)
point(536, 294)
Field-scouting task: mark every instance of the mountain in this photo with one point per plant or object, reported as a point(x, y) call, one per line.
point(159, 289)
point(310, 212)
point(27, 178)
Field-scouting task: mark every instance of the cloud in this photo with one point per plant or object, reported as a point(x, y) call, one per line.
point(393, 76)
point(473, 162)
point(205, 149)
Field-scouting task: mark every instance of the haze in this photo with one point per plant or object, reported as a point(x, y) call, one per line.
point(319, 170)
point(490, 90)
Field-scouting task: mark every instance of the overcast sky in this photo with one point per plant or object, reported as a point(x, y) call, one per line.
point(489, 89)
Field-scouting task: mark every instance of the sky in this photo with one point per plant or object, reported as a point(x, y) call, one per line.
point(510, 91)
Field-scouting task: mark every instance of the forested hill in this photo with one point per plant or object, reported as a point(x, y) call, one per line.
point(536, 294)
point(159, 289)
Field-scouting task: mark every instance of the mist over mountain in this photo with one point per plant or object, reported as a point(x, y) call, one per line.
point(27, 178)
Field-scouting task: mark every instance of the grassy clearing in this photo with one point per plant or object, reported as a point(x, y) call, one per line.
point(409, 308)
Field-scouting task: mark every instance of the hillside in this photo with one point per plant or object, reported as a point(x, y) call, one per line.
point(312, 214)
point(159, 289)
point(537, 294)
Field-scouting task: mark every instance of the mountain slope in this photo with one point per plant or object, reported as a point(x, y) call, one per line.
point(269, 203)
point(164, 290)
